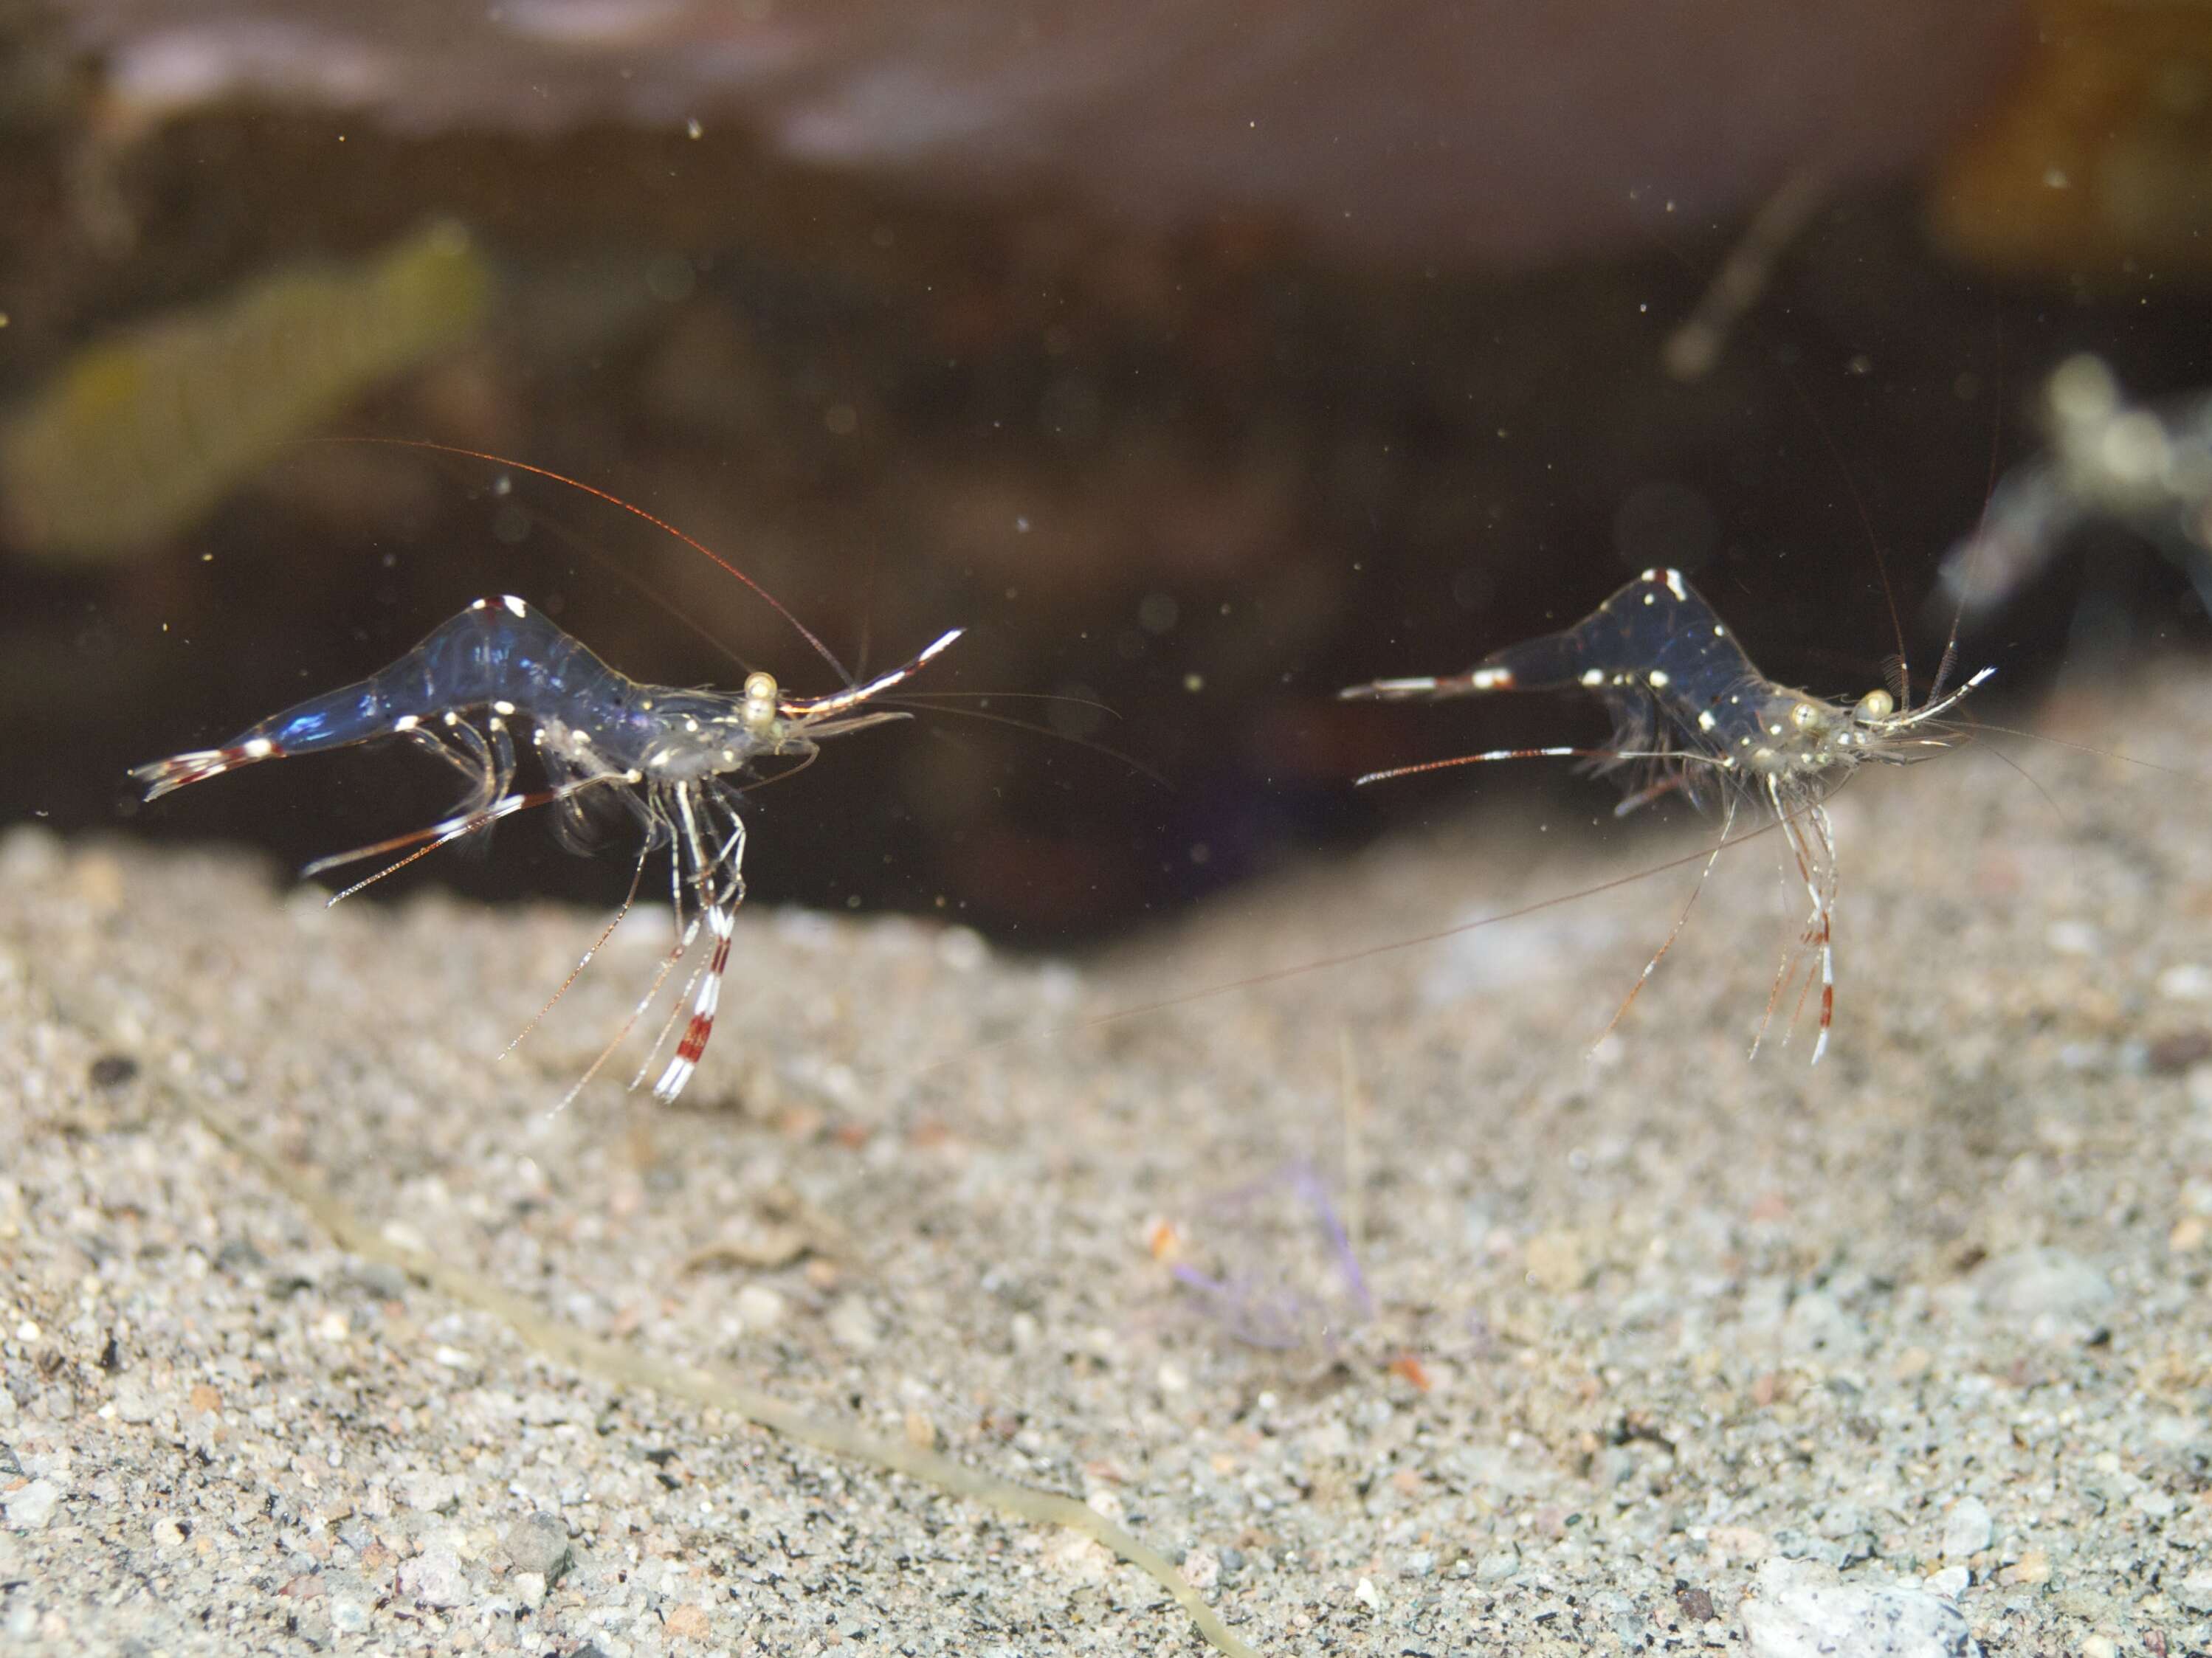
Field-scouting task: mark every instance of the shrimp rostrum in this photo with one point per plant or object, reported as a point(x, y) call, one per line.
point(1691, 712)
point(677, 760)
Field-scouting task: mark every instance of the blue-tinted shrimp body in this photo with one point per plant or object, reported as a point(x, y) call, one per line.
point(667, 754)
point(501, 655)
point(496, 651)
point(1691, 712)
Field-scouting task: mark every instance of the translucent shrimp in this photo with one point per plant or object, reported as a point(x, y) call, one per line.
point(1691, 712)
point(676, 759)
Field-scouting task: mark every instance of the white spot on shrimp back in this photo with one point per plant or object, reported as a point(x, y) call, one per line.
point(259, 748)
point(514, 606)
point(1491, 679)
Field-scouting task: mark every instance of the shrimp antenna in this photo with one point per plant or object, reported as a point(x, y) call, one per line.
point(629, 507)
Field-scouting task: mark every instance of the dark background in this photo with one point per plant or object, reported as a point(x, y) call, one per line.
point(1197, 371)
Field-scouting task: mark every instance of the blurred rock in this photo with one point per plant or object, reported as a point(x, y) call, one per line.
point(1492, 133)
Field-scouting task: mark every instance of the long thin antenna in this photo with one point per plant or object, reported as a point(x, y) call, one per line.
point(632, 508)
point(1981, 524)
point(1866, 522)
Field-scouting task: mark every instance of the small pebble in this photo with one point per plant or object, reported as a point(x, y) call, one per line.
point(2071, 938)
point(1201, 1568)
point(2186, 982)
point(349, 1617)
point(30, 1507)
point(529, 1588)
point(1799, 1609)
point(134, 1403)
point(759, 1307)
point(1952, 1581)
point(2195, 1591)
point(1966, 1529)
point(1497, 1565)
point(1368, 1595)
point(539, 1543)
point(2032, 1284)
point(433, 1578)
point(112, 1070)
point(688, 1623)
point(853, 1326)
point(426, 1491)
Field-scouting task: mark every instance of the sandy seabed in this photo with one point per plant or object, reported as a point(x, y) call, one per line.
point(1364, 1296)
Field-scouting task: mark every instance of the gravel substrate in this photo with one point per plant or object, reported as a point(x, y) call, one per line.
point(1403, 1326)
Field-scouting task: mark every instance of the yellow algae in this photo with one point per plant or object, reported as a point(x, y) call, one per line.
point(147, 428)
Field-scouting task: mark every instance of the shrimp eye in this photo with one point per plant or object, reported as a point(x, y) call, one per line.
point(1874, 708)
point(1802, 715)
point(760, 710)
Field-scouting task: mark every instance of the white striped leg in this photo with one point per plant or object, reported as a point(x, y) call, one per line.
point(1824, 904)
point(450, 831)
point(1474, 682)
point(723, 889)
point(1811, 839)
point(721, 923)
point(197, 766)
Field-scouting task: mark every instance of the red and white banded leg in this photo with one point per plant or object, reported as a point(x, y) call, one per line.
point(719, 874)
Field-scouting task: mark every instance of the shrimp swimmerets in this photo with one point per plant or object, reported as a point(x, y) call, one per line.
point(1691, 712)
point(674, 758)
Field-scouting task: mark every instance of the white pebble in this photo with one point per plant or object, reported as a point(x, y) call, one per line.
point(2194, 1592)
point(2043, 1282)
point(2186, 982)
point(30, 1507)
point(2071, 938)
point(853, 1326)
point(759, 1307)
point(1798, 1610)
point(434, 1578)
point(962, 949)
point(1966, 1529)
point(1497, 1565)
